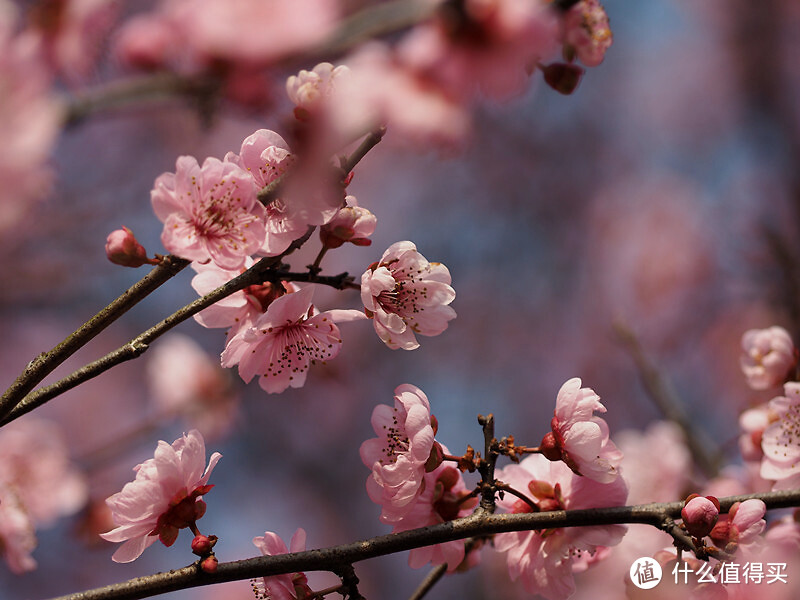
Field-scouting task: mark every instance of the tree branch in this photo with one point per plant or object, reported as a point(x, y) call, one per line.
point(479, 524)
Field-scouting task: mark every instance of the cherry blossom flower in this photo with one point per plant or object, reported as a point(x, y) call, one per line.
point(780, 440)
point(482, 45)
point(578, 437)
point(351, 224)
point(700, 514)
point(742, 525)
point(185, 381)
point(587, 33)
point(285, 340)
point(163, 498)
point(309, 89)
point(34, 461)
point(545, 560)
point(289, 586)
point(398, 455)
point(404, 295)
point(209, 212)
point(768, 357)
point(17, 537)
point(441, 499)
point(239, 310)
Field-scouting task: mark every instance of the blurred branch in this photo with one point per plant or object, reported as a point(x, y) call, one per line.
point(662, 395)
point(479, 524)
point(431, 579)
point(44, 364)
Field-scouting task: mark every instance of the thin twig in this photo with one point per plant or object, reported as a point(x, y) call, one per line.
point(477, 525)
point(431, 579)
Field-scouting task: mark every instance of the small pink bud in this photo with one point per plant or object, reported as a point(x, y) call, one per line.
point(202, 544)
point(123, 249)
point(700, 514)
point(209, 564)
point(563, 77)
point(351, 224)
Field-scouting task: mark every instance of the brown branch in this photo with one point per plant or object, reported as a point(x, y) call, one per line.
point(44, 364)
point(476, 525)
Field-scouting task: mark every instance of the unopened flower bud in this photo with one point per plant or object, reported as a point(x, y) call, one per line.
point(123, 249)
point(700, 514)
point(351, 224)
point(563, 77)
point(550, 448)
point(209, 564)
point(202, 544)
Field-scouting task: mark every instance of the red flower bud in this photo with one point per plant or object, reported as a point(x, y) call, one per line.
point(123, 249)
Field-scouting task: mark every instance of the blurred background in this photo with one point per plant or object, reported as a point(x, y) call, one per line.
point(662, 195)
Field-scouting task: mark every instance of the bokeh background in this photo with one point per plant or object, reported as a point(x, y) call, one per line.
point(662, 195)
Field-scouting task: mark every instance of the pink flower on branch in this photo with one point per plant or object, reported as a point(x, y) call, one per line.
point(289, 586)
point(284, 341)
point(405, 295)
point(350, 224)
point(209, 212)
point(768, 356)
point(164, 497)
point(579, 438)
point(742, 525)
point(308, 90)
point(398, 455)
point(781, 440)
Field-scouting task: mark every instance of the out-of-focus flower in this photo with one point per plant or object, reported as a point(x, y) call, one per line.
point(309, 89)
point(579, 438)
point(122, 248)
point(163, 498)
point(768, 356)
point(753, 422)
point(545, 560)
point(17, 537)
point(405, 295)
point(209, 212)
point(289, 586)
point(486, 46)
point(398, 455)
point(587, 33)
point(351, 224)
point(185, 381)
point(29, 122)
point(441, 500)
point(34, 461)
point(743, 524)
point(284, 341)
point(781, 440)
point(700, 514)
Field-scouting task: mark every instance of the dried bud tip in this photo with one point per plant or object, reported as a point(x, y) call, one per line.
point(563, 77)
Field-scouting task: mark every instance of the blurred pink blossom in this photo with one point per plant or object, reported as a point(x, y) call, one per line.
point(545, 560)
point(185, 381)
point(284, 341)
point(753, 422)
point(781, 440)
point(35, 463)
point(163, 498)
point(309, 89)
point(209, 212)
point(587, 33)
point(289, 586)
point(398, 455)
point(578, 437)
point(405, 295)
point(768, 356)
point(351, 224)
point(17, 537)
point(441, 500)
point(482, 45)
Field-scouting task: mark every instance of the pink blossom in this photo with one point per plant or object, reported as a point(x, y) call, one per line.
point(753, 422)
point(34, 461)
point(781, 439)
point(164, 497)
point(587, 33)
point(398, 455)
point(285, 340)
point(240, 309)
point(17, 537)
point(209, 213)
point(742, 525)
point(578, 437)
point(308, 89)
point(441, 499)
point(185, 381)
point(482, 45)
point(351, 224)
point(289, 586)
point(545, 560)
point(700, 514)
point(405, 295)
point(122, 248)
point(768, 357)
